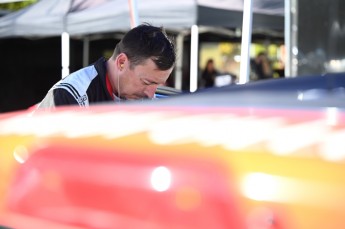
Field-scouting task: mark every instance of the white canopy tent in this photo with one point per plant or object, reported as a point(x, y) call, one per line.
point(79, 17)
point(83, 17)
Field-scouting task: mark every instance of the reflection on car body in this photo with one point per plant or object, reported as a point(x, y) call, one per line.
point(220, 159)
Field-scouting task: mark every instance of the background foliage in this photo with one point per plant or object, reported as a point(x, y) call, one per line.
point(13, 6)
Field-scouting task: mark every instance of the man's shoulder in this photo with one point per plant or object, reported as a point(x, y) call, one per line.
point(82, 76)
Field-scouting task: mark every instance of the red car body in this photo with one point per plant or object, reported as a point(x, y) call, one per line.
point(173, 167)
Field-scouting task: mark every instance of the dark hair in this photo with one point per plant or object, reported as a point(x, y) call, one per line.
point(209, 61)
point(147, 41)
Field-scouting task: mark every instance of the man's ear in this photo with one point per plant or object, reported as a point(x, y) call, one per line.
point(122, 61)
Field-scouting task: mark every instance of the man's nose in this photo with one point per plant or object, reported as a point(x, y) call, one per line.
point(150, 91)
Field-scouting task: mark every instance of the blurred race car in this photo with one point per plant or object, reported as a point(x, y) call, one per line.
point(215, 159)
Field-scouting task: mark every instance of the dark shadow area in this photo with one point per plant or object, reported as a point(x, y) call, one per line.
point(29, 68)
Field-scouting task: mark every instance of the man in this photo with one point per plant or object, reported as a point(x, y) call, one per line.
point(141, 61)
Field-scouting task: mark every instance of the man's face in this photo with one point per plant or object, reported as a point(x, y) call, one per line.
point(142, 81)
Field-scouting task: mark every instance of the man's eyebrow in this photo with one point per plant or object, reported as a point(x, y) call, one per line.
point(151, 81)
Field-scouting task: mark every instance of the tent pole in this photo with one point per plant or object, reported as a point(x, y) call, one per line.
point(287, 38)
point(246, 41)
point(133, 11)
point(179, 61)
point(65, 46)
point(86, 51)
point(194, 58)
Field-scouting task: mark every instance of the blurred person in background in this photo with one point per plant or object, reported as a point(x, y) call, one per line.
point(209, 73)
point(141, 61)
point(261, 67)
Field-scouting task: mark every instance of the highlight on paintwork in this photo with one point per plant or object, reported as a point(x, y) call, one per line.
point(161, 179)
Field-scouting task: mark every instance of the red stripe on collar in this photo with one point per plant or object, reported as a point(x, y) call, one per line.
point(109, 88)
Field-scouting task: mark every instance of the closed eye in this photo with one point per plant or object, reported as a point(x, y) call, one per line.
point(147, 82)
